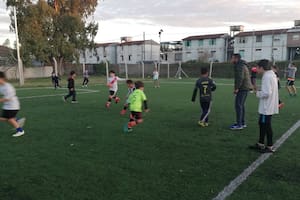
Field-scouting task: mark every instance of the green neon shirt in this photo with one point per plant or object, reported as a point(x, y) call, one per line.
point(136, 100)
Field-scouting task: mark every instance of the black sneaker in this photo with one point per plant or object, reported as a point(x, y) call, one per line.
point(267, 150)
point(257, 146)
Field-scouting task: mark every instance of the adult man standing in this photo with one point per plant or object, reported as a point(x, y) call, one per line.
point(242, 85)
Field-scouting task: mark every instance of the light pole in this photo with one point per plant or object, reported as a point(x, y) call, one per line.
point(160, 49)
point(20, 66)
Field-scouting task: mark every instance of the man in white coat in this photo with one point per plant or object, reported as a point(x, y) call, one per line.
point(268, 106)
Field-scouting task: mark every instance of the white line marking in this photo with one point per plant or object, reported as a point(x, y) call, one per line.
point(54, 95)
point(235, 183)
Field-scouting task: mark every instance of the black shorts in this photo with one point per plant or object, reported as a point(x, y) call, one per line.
point(112, 93)
point(8, 114)
point(290, 83)
point(136, 115)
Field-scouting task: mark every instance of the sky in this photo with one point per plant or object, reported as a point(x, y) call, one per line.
point(180, 18)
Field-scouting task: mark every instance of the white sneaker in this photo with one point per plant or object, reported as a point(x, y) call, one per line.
point(63, 98)
point(18, 134)
point(74, 102)
point(21, 122)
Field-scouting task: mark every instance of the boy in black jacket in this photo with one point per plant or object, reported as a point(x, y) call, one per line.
point(71, 87)
point(206, 86)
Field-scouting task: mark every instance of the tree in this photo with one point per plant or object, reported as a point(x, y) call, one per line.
point(55, 29)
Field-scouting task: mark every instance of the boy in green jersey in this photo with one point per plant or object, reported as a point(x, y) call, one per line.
point(137, 100)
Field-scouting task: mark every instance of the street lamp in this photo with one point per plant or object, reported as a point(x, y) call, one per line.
point(160, 49)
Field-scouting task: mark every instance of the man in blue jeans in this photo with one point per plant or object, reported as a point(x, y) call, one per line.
point(242, 85)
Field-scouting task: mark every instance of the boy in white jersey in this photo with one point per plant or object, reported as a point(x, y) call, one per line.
point(112, 84)
point(156, 78)
point(11, 106)
point(131, 88)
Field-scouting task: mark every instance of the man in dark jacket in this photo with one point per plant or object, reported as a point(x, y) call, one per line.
point(242, 85)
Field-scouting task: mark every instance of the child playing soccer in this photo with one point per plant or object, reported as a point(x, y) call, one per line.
point(290, 85)
point(85, 78)
point(131, 88)
point(11, 106)
point(112, 84)
point(71, 87)
point(268, 106)
point(206, 86)
point(156, 78)
point(137, 100)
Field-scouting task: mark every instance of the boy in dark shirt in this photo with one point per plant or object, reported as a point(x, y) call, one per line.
point(71, 87)
point(206, 86)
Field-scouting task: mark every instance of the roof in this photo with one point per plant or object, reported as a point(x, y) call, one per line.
point(106, 44)
point(263, 32)
point(4, 51)
point(140, 42)
point(203, 37)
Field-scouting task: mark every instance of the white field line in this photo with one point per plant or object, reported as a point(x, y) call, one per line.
point(235, 183)
point(84, 91)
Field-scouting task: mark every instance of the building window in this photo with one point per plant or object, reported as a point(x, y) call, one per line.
point(259, 38)
point(122, 57)
point(129, 57)
point(188, 43)
point(242, 53)
point(242, 40)
point(296, 37)
point(212, 42)
point(213, 54)
point(257, 49)
point(201, 42)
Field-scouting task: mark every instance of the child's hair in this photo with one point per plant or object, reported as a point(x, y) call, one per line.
point(204, 70)
point(264, 63)
point(2, 75)
point(129, 82)
point(112, 72)
point(139, 84)
point(72, 73)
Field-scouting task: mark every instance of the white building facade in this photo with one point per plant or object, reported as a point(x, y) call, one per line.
point(205, 48)
point(134, 52)
point(256, 45)
point(102, 53)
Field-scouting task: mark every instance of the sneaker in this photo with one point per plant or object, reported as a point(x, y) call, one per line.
point(267, 150)
point(107, 105)
point(19, 133)
point(201, 123)
point(257, 146)
point(74, 102)
point(126, 129)
point(206, 124)
point(236, 127)
point(244, 125)
point(117, 100)
point(21, 122)
point(123, 112)
point(64, 99)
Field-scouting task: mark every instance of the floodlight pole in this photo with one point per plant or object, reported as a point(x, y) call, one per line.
point(20, 66)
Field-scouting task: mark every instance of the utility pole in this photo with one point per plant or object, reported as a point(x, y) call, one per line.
point(20, 66)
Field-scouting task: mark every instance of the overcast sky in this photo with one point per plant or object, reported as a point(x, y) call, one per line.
point(181, 18)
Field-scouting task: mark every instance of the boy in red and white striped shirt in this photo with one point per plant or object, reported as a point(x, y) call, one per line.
point(112, 84)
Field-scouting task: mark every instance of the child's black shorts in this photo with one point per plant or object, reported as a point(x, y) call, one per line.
point(136, 115)
point(112, 93)
point(8, 114)
point(290, 83)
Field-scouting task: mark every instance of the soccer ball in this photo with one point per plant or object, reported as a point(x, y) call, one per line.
point(179, 78)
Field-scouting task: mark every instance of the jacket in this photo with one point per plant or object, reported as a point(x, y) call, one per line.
point(242, 76)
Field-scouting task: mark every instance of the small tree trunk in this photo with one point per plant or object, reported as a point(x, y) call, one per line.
point(60, 67)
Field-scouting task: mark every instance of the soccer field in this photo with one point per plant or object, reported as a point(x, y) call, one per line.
point(79, 151)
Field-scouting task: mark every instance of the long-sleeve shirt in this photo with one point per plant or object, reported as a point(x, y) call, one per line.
point(113, 82)
point(206, 86)
point(71, 83)
point(268, 96)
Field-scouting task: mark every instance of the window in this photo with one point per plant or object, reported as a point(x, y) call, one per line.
point(242, 40)
point(213, 54)
point(122, 57)
point(129, 57)
point(257, 49)
point(201, 42)
point(259, 38)
point(188, 43)
point(242, 53)
point(212, 42)
point(296, 37)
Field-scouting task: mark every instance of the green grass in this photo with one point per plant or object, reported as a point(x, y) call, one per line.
point(79, 152)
